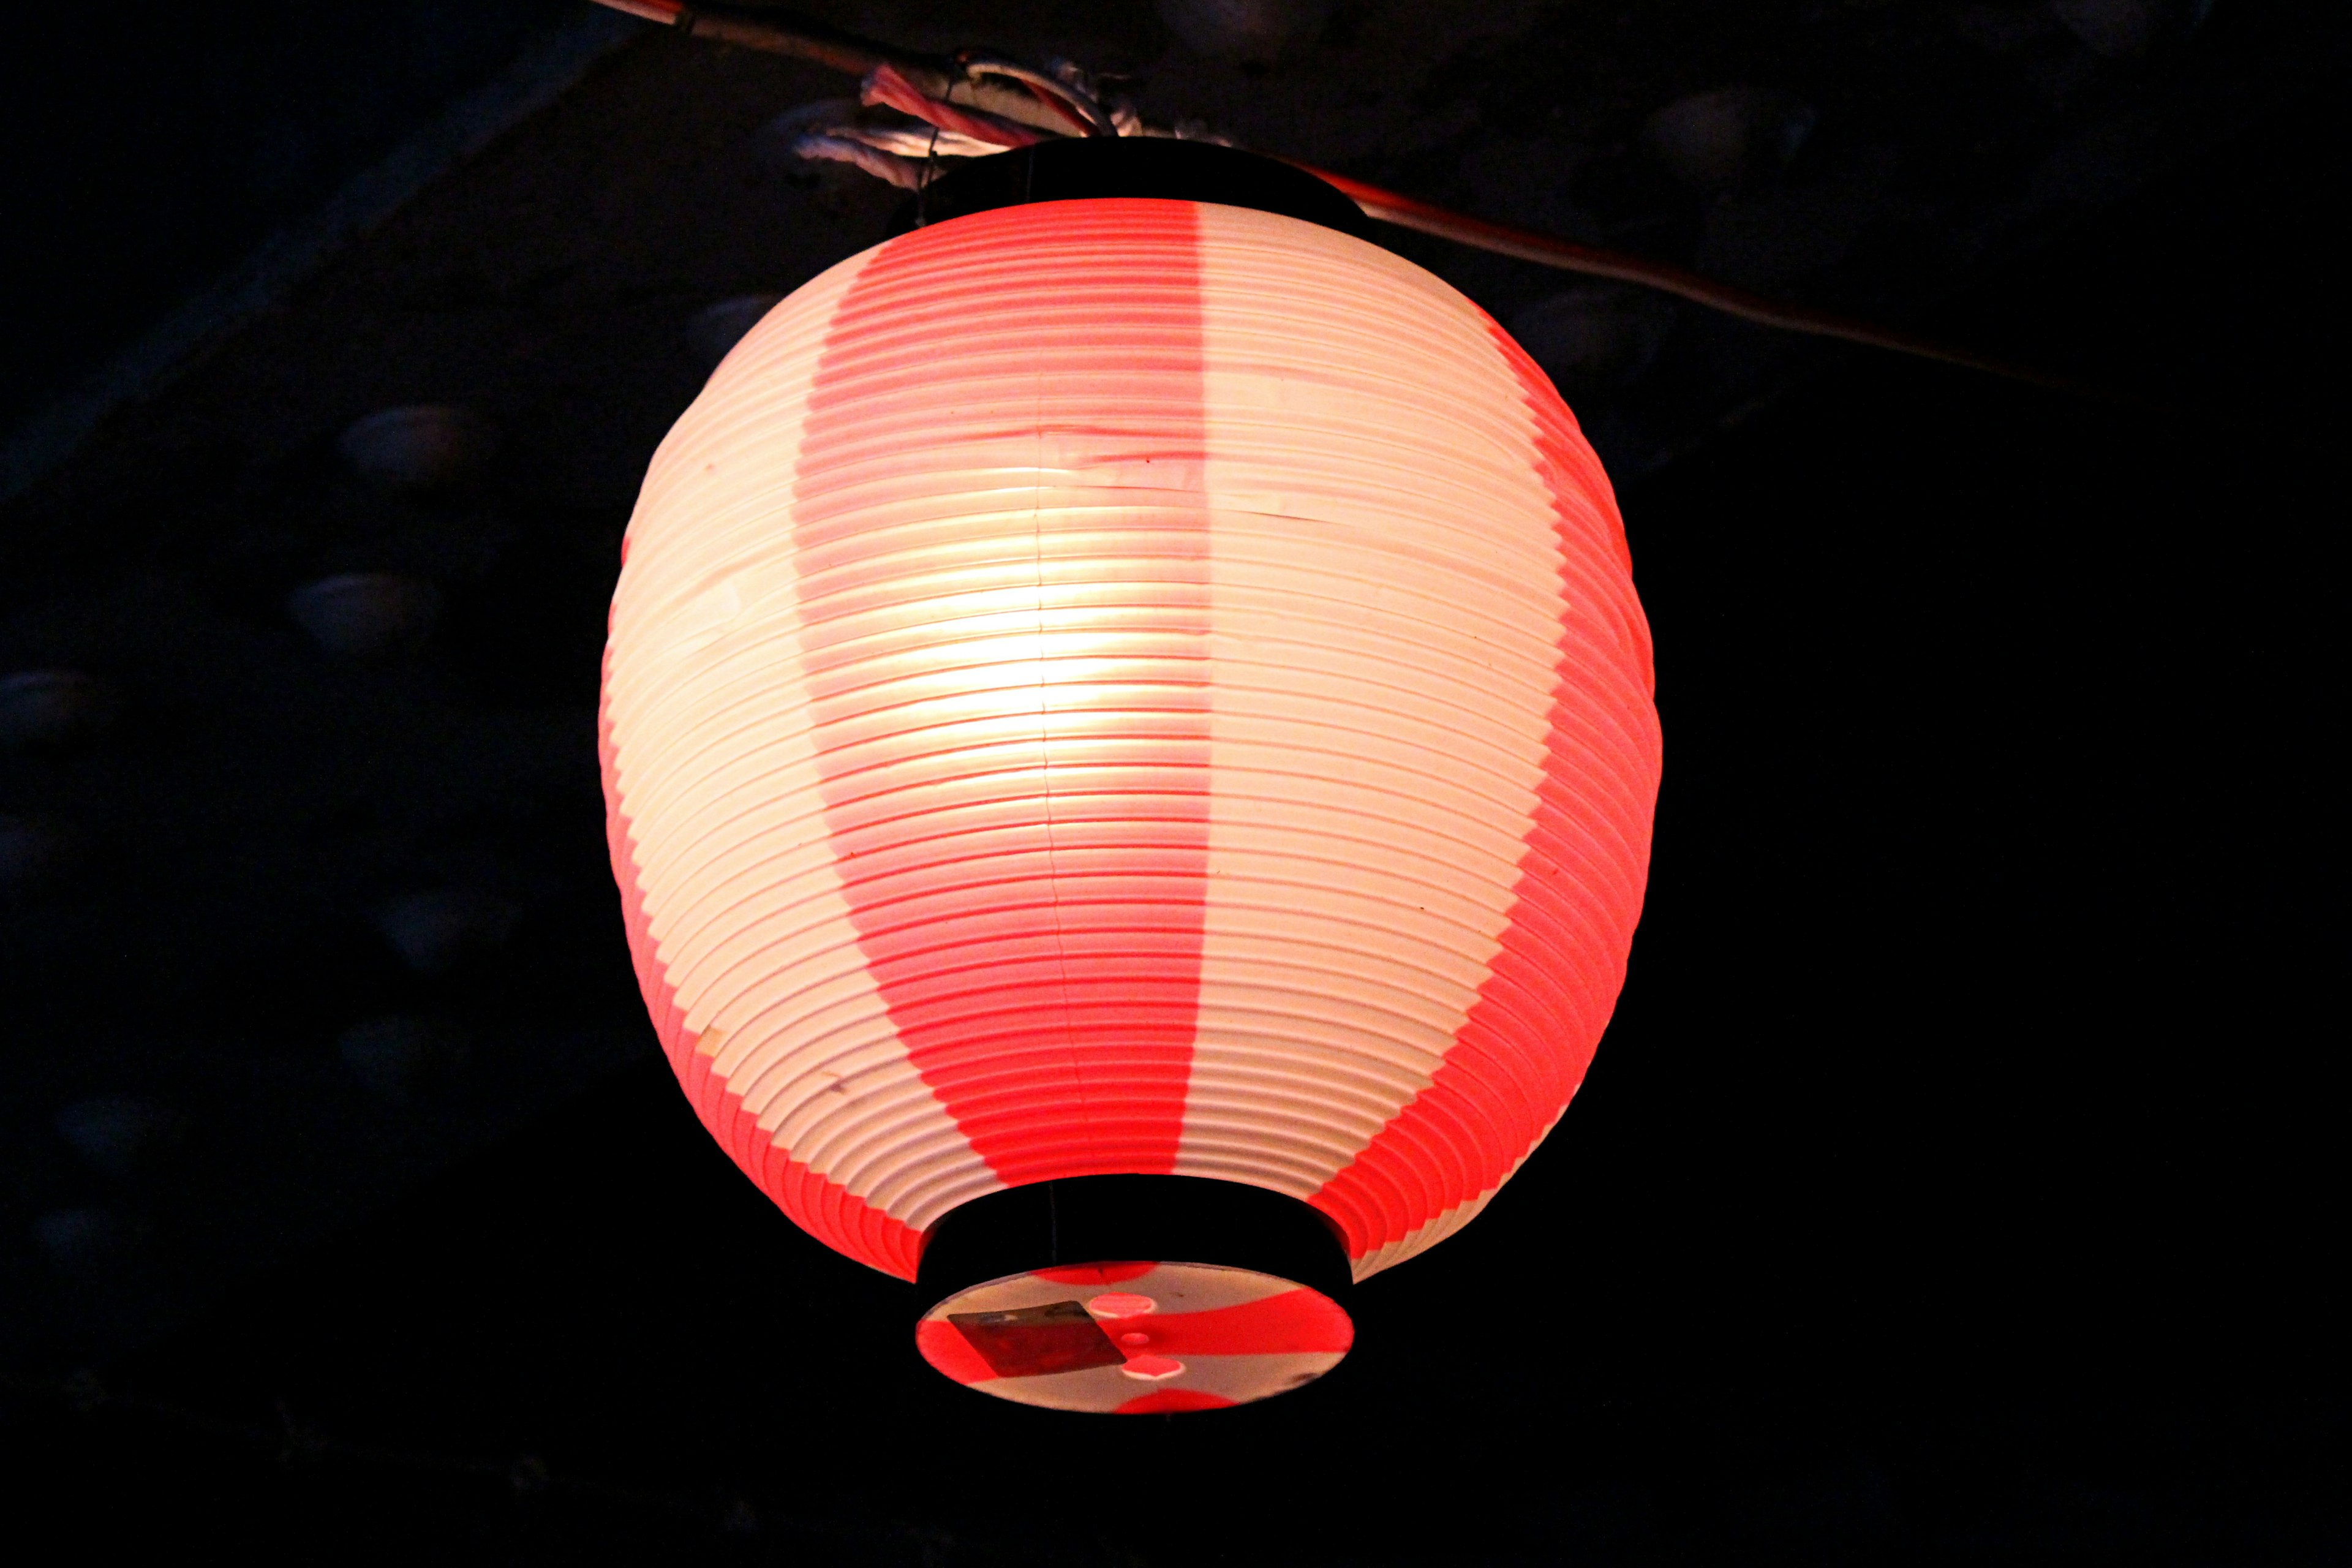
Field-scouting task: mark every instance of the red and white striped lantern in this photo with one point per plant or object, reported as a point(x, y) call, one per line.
point(1128, 685)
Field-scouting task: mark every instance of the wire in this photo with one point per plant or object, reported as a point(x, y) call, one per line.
point(1038, 105)
point(665, 12)
point(774, 32)
point(921, 141)
point(1527, 245)
point(1077, 104)
point(908, 172)
point(887, 86)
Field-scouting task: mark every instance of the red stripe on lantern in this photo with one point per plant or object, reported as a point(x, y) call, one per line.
point(1014, 738)
point(1169, 1401)
point(1524, 1047)
point(943, 1345)
point(1096, 1274)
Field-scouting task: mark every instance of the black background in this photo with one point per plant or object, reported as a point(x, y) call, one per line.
point(156, 143)
point(1958, 1183)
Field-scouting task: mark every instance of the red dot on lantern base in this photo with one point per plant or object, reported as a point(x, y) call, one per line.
point(1152, 1368)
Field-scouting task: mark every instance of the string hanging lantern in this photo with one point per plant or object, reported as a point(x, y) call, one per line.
point(1130, 746)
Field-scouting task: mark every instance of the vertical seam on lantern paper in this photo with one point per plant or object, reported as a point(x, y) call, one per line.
point(1045, 739)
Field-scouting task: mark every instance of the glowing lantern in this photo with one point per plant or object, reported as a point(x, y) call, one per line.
point(1130, 708)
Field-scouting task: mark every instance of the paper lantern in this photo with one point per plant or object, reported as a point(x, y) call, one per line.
point(1130, 689)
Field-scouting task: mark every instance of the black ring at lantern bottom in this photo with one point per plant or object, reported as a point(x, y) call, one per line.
point(1090, 167)
point(1133, 1219)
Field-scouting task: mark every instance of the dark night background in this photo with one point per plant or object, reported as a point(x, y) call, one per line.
point(1958, 1182)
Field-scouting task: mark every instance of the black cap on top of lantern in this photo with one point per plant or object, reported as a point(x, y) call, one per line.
point(1091, 168)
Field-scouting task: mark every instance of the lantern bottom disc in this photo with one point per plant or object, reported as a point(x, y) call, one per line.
point(1135, 1338)
point(1093, 1294)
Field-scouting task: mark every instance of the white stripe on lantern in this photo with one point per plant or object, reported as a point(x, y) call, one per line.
point(1385, 609)
point(742, 897)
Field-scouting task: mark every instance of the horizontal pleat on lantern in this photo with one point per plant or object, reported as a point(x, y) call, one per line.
point(1129, 687)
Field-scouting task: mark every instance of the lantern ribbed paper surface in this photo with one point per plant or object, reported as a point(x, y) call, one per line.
point(1128, 685)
